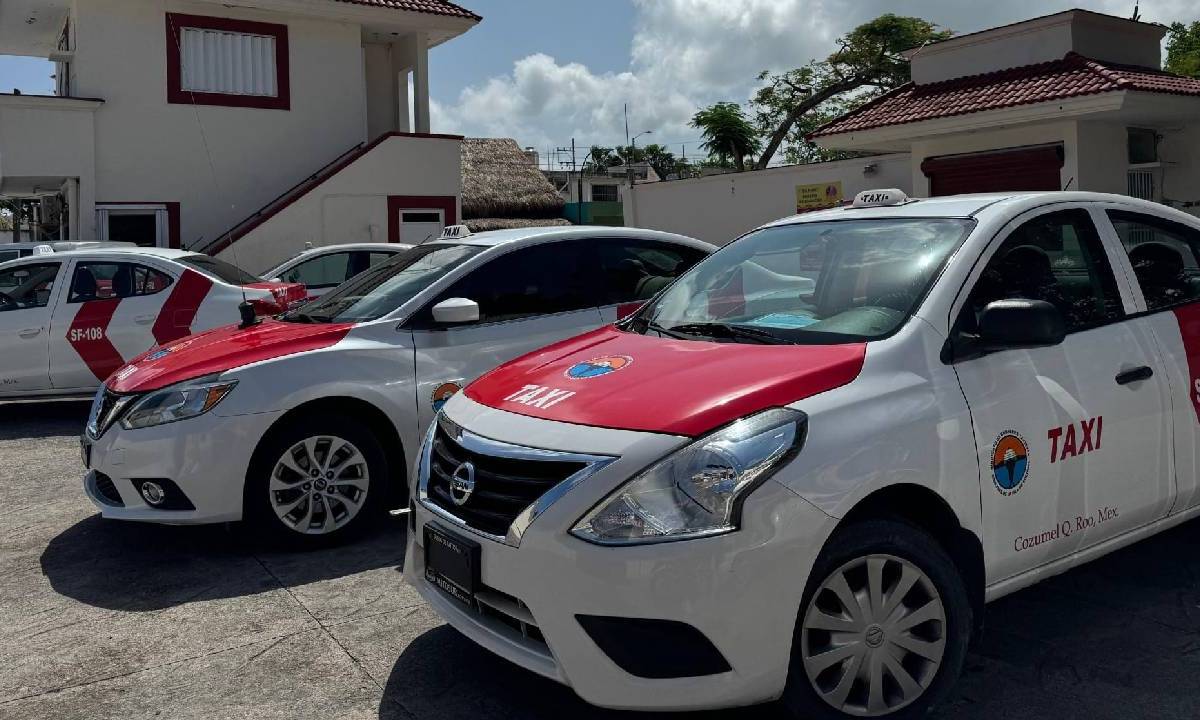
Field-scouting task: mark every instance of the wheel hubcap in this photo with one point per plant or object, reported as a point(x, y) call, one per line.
point(319, 484)
point(873, 636)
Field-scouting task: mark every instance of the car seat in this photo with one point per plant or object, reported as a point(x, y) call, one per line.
point(122, 282)
point(85, 287)
point(1159, 270)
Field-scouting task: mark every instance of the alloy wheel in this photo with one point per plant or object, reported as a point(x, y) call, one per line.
point(873, 636)
point(319, 485)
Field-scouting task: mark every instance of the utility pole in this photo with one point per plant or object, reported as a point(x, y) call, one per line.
point(579, 178)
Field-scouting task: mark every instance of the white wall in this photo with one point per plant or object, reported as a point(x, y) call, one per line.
point(149, 150)
point(719, 208)
point(351, 206)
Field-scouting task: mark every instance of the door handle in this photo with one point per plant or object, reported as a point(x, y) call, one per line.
point(29, 333)
point(1135, 375)
point(144, 319)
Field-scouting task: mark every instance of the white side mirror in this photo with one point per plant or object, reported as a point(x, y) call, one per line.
point(456, 310)
point(276, 280)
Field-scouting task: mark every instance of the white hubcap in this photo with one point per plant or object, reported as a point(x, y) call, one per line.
point(319, 484)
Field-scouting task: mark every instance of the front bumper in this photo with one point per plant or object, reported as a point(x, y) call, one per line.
point(741, 591)
point(206, 457)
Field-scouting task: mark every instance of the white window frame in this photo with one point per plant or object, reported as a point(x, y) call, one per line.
point(158, 210)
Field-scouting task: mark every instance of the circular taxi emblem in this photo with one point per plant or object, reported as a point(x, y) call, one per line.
point(598, 366)
point(1010, 462)
point(442, 393)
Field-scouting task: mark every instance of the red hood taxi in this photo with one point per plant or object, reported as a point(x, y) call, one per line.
point(222, 349)
point(623, 380)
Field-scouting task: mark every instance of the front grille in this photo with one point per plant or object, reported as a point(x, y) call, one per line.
point(504, 486)
point(107, 490)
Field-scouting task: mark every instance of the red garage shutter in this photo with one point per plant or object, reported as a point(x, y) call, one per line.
point(1031, 168)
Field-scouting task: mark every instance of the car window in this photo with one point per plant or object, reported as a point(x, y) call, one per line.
point(629, 270)
point(219, 269)
point(6, 255)
point(1163, 255)
point(378, 257)
point(103, 281)
point(386, 286)
point(539, 280)
point(321, 272)
point(1056, 257)
point(27, 286)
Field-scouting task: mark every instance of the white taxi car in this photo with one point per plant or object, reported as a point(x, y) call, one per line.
point(307, 424)
point(321, 269)
point(69, 319)
point(802, 470)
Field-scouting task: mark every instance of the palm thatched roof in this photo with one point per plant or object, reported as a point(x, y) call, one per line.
point(485, 224)
point(500, 181)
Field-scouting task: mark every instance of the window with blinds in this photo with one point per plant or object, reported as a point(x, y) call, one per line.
point(227, 61)
point(232, 63)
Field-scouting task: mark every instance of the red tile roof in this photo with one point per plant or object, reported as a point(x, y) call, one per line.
point(433, 7)
point(1073, 76)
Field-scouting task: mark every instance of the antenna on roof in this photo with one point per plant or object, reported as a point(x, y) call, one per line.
point(1137, 13)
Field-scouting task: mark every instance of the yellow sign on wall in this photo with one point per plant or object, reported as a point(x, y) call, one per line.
point(818, 196)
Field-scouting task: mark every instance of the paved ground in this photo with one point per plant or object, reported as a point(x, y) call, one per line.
point(109, 620)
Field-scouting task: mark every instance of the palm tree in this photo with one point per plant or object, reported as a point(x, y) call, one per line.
point(728, 133)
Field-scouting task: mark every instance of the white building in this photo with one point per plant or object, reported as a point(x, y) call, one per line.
point(251, 128)
point(1073, 100)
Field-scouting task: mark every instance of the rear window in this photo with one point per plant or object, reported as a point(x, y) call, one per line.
point(219, 269)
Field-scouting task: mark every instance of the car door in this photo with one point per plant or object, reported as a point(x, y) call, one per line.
point(1164, 264)
point(106, 318)
point(28, 293)
point(1073, 440)
point(630, 271)
point(528, 298)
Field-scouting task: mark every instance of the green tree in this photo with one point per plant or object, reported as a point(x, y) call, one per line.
point(868, 62)
point(658, 157)
point(599, 159)
point(1183, 49)
point(728, 134)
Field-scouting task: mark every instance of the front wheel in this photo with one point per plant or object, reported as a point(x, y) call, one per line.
point(883, 628)
point(316, 481)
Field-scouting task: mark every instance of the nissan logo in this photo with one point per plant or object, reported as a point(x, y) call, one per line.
point(462, 483)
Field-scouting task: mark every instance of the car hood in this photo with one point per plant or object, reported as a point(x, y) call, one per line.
point(221, 349)
point(615, 379)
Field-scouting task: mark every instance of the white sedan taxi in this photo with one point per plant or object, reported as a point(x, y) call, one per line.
point(306, 424)
point(69, 319)
point(802, 470)
point(321, 269)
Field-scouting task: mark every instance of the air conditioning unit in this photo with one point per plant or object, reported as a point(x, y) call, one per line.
point(1141, 183)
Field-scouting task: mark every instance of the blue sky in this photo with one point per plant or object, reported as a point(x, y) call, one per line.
point(544, 71)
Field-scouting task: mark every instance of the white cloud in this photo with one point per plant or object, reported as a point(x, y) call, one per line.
point(689, 53)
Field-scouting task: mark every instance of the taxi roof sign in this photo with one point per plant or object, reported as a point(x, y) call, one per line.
point(42, 250)
point(455, 232)
point(880, 198)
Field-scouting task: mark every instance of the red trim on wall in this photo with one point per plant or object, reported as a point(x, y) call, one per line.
point(178, 96)
point(173, 233)
point(448, 204)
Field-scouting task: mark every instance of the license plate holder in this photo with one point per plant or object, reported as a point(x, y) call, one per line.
point(452, 564)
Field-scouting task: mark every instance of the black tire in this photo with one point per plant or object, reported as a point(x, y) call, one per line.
point(902, 540)
point(257, 501)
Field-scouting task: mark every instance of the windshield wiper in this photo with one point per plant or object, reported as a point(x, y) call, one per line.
point(719, 330)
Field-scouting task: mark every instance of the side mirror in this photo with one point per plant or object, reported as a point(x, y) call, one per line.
point(1007, 324)
point(275, 280)
point(456, 310)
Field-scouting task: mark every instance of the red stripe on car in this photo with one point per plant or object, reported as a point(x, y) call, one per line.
point(1189, 327)
point(88, 335)
point(179, 311)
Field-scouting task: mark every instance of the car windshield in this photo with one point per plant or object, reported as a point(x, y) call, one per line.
point(807, 283)
point(221, 270)
point(386, 286)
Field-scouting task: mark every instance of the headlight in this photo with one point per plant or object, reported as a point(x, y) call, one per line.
point(177, 402)
point(697, 491)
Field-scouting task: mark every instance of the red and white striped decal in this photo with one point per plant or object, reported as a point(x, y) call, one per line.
point(1189, 327)
point(179, 311)
point(88, 335)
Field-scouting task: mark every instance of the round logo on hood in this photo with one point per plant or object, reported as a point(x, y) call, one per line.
point(598, 366)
